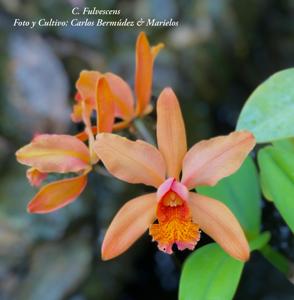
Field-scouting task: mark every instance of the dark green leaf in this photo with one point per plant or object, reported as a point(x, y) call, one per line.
point(277, 175)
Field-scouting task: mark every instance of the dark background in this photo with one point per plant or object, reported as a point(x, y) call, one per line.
point(217, 56)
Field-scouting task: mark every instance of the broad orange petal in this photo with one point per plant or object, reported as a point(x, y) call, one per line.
point(171, 134)
point(57, 194)
point(216, 220)
point(210, 160)
point(124, 101)
point(55, 153)
point(145, 56)
point(105, 106)
point(132, 220)
point(134, 162)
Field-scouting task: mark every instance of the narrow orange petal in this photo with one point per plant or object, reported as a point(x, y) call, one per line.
point(122, 96)
point(145, 56)
point(86, 84)
point(171, 134)
point(209, 161)
point(57, 194)
point(105, 106)
point(134, 162)
point(86, 110)
point(55, 153)
point(132, 220)
point(156, 49)
point(218, 221)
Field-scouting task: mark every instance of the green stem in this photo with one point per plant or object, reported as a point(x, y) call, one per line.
point(143, 131)
point(278, 260)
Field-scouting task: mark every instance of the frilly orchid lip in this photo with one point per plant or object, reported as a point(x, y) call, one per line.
point(180, 214)
point(36, 177)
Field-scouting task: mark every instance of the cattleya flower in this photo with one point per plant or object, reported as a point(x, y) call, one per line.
point(173, 214)
point(122, 94)
point(53, 153)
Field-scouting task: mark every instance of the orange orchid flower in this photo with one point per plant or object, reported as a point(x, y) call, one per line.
point(48, 153)
point(173, 214)
point(52, 153)
point(122, 93)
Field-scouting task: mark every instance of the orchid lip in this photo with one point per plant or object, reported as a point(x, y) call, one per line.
point(175, 225)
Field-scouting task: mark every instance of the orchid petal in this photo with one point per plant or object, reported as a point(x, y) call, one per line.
point(209, 161)
point(57, 194)
point(132, 220)
point(145, 56)
point(86, 85)
point(156, 49)
point(55, 153)
point(171, 134)
point(133, 162)
point(216, 220)
point(105, 106)
point(122, 96)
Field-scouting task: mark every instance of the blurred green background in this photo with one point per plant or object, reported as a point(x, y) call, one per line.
point(219, 53)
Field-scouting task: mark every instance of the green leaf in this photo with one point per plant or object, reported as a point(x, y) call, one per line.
point(286, 144)
point(277, 174)
point(209, 273)
point(241, 193)
point(269, 111)
point(264, 187)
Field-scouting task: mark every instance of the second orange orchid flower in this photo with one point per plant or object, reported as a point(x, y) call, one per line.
point(52, 153)
point(122, 93)
point(173, 214)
